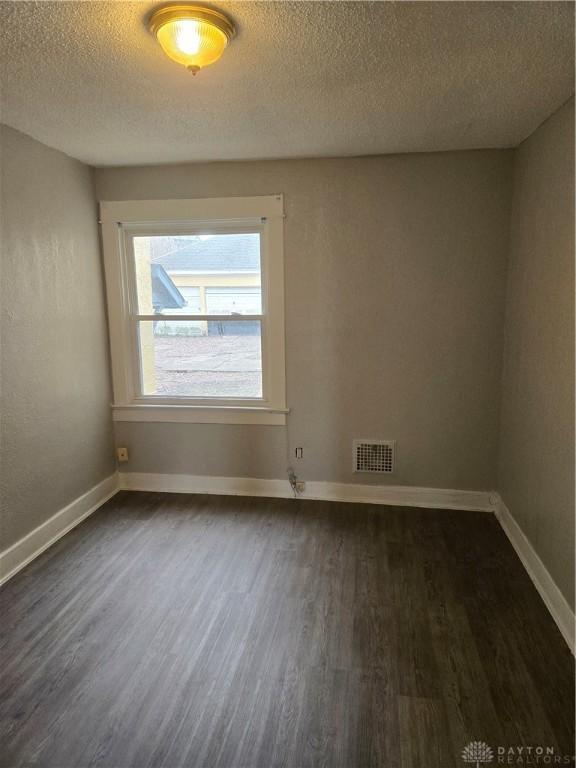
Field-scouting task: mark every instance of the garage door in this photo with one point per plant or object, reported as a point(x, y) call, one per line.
point(243, 300)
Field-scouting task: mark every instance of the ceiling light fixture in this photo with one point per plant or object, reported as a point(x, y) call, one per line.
point(191, 34)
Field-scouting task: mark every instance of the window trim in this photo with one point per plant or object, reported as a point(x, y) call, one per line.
point(120, 220)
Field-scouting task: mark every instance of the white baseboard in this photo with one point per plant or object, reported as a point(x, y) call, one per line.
point(405, 496)
point(34, 543)
point(554, 600)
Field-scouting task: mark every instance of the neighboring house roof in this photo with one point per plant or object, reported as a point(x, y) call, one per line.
point(165, 295)
point(222, 253)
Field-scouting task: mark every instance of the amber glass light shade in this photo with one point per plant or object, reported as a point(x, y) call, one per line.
point(191, 35)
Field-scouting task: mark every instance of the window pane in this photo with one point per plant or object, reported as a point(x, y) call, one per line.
point(191, 295)
point(198, 274)
point(208, 358)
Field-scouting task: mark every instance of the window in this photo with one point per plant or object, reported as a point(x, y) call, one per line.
point(196, 305)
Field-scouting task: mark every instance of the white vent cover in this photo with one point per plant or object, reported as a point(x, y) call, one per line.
point(373, 455)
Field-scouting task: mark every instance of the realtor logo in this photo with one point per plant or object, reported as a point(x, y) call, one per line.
point(477, 752)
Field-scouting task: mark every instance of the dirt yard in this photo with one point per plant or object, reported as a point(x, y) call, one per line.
point(208, 366)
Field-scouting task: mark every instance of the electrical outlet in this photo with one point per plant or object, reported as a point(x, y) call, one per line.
point(122, 454)
point(300, 486)
point(299, 453)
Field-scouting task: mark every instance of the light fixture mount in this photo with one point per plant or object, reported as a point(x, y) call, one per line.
point(192, 35)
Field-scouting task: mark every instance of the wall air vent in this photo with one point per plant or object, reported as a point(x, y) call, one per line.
point(374, 456)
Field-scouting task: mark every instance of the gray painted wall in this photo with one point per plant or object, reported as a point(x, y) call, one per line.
point(395, 279)
point(56, 432)
point(536, 472)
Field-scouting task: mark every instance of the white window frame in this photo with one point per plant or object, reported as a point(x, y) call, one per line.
point(122, 220)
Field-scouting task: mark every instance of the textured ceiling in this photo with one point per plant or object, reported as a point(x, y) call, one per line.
point(300, 79)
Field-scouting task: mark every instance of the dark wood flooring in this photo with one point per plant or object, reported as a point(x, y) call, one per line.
point(177, 630)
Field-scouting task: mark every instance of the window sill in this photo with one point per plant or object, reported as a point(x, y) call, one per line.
point(200, 414)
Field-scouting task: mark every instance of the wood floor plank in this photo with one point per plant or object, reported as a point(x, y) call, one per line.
point(179, 631)
point(424, 734)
